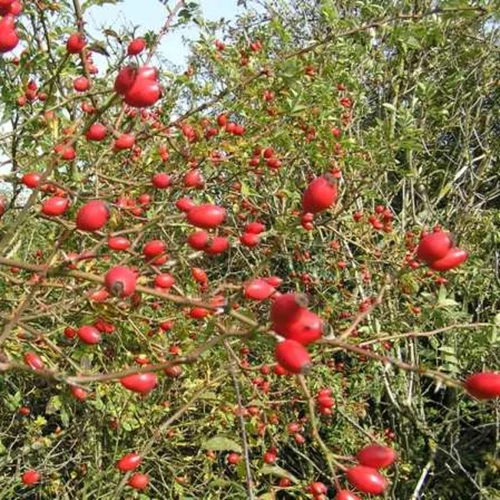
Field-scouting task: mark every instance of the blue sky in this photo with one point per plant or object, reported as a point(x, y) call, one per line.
point(150, 15)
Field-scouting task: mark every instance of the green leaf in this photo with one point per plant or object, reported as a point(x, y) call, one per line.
point(389, 106)
point(219, 482)
point(112, 33)
point(65, 418)
point(412, 42)
point(447, 303)
point(245, 191)
point(53, 406)
point(40, 421)
point(15, 401)
point(447, 349)
point(280, 30)
point(90, 3)
point(99, 48)
point(221, 443)
point(329, 11)
point(210, 395)
point(275, 470)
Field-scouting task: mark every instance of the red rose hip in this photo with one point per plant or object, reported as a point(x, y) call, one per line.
point(485, 385)
point(89, 335)
point(293, 356)
point(367, 480)
point(31, 477)
point(129, 462)
point(376, 456)
point(434, 246)
point(136, 46)
point(138, 481)
point(120, 281)
point(346, 495)
point(55, 206)
point(320, 195)
point(286, 306)
point(305, 327)
point(206, 216)
point(452, 259)
point(140, 382)
point(92, 216)
point(258, 289)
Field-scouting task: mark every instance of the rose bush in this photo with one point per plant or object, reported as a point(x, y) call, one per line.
point(271, 274)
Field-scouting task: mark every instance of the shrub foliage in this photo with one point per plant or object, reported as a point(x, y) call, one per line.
point(399, 101)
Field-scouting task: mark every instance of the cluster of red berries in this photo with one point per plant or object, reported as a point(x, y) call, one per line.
point(31, 94)
point(299, 326)
point(365, 477)
point(252, 234)
point(325, 402)
point(270, 156)
point(207, 216)
point(129, 463)
point(230, 127)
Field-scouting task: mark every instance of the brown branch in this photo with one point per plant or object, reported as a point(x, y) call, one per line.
point(164, 29)
point(241, 418)
point(93, 278)
point(387, 360)
point(189, 358)
point(364, 314)
point(423, 334)
point(81, 380)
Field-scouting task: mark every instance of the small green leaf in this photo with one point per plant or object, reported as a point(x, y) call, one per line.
point(210, 395)
point(90, 3)
point(64, 417)
point(412, 42)
point(447, 349)
point(113, 34)
point(275, 470)
point(245, 191)
point(219, 482)
point(40, 421)
point(53, 406)
point(99, 48)
point(221, 443)
point(390, 107)
point(447, 303)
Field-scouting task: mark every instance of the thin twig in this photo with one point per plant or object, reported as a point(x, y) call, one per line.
point(387, 360)
point(331, 462)
point(423, 334)
point(241, 418)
